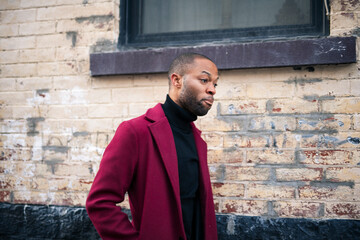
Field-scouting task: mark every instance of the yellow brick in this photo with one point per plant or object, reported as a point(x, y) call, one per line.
point(270, 156)
point(297, 209)
point(32, 197)
point(343, 20)
point(230, 90)
point(291, 106)
point(340, 193)
point(355, 88)
point(244, 207)
point(328, 157)
point(342, 105)
point(343, 174)
point(299, 174)
point(344, 5)
point(231, 155)
point(228, 189)
point(213, 140)
point(270, 192)
point(243, 107)
point(324, 88)
point(348, 210)
point(235, 173)
point(269, 90)
point(272, 123)
point(80, 170)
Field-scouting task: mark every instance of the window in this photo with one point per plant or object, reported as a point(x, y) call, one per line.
point(147, 23)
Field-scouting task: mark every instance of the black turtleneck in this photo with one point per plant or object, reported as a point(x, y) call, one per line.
point(188, 165)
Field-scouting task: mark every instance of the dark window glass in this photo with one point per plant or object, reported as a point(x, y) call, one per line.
point(174, 22)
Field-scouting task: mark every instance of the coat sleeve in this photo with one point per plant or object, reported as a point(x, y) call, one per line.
point(110, 185)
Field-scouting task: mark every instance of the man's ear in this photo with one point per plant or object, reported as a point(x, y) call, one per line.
point(176, 80)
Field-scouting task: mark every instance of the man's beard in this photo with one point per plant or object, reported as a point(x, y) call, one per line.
point(189, 102)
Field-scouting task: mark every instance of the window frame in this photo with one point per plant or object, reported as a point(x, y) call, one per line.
point(129, 36)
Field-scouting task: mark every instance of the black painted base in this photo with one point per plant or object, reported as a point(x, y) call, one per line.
point(35, 222)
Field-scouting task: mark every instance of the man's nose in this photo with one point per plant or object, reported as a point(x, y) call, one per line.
point(211, 89)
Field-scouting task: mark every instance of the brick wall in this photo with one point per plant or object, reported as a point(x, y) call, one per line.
point(283, 142)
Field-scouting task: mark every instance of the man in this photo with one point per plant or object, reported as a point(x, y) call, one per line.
point(160, 160)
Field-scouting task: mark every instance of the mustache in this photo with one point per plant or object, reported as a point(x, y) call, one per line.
point(211, 98)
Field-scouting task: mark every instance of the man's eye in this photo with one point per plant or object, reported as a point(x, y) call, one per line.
point(215, 85)
point(204, 80)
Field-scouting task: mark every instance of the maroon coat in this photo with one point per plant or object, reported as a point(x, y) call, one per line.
point(141, 159)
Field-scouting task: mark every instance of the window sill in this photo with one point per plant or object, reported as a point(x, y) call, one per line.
point(332, 50)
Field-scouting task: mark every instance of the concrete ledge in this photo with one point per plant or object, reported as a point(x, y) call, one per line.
point(299, 52)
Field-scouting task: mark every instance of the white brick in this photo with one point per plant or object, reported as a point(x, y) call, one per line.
point(107, 111)
point(18, 16)
point(36, 28)
point(9, 4)
point(37, 3)
point(19, 70)
point(33, 83)
point(9, 30)
point(17, 43)
point(133, 95)
point(7, 84)
point(9, 56)
point(37, 55)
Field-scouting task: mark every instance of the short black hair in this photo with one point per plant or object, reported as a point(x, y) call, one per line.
point(181, 63)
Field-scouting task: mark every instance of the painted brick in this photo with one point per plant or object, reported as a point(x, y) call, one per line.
point(230, 90)
point(18, 16)
point(15, 43)
point(247, 141)
point(236, 173)
point(224, 124)
point(213, 140)
point(325, 88)
point(328, 157)
point(299, 174)
point(80, 170)
point(242, 107)
point(340, 122)
point(298, 106)
point(343, 193)
point(228, 189)
point(269, 90)
point(244, 207)
point(271, 192)
point(342, 105)
point(343, 174)
point(231, 155)
point(270, 156)
point(277, 123)
point(342, 210)
point(297, 209)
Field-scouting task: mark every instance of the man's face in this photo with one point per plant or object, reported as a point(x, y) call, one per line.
point(198, 88)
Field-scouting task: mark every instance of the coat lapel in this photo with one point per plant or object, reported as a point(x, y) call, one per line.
point(164, 139)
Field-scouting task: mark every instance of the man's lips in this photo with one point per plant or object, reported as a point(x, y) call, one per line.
point(209, 101)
